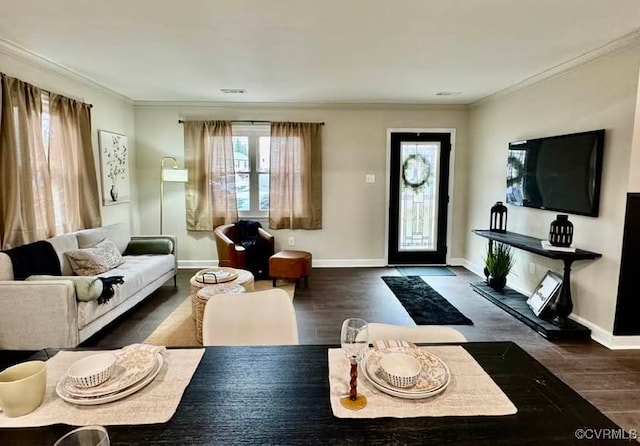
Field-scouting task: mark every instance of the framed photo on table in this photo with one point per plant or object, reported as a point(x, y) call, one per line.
point(544, 293)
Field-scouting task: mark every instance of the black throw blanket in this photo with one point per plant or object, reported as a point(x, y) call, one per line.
point(107, 288)
point(34, 258)
point(258, 249)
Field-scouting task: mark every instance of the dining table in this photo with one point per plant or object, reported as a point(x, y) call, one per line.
point(279, 395)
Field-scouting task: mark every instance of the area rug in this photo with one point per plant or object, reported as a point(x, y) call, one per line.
point(425, 271)
point(424, 304)
point(179, 329)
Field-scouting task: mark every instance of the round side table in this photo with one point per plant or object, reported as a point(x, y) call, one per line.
point(245, 279)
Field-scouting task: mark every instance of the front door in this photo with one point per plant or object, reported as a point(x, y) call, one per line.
point(418, 198)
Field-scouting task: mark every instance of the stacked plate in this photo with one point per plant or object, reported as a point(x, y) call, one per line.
point(135, 367)
point(433, 379)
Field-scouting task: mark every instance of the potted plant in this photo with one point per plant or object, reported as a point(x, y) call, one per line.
point(498, 263)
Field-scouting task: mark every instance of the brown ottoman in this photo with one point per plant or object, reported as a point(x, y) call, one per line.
point(291, 265)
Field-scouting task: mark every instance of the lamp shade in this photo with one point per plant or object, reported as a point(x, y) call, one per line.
point(175, 175)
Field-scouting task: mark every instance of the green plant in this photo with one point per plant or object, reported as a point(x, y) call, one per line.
point(499, 260)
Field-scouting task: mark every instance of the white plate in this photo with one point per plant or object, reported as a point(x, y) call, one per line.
point(434, 373)
point(94, 400)
point(425, 387)
point(132, 366)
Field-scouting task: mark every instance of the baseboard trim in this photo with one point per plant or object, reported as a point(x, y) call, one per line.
point(598, 334)
point(611, 341)
point(477, 270)
point(349, 263)
point(321, 263)
point(200, 264)
point(324, 263)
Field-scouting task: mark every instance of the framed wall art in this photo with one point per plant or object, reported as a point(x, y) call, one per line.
point(545, 292)
point(114, 168)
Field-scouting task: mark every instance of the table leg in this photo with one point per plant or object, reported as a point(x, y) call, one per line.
point(485, 270)
point(563, 304)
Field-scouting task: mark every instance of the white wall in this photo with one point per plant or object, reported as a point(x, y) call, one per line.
point(634, 165)
point(601, 94)
point(110, 112)
point(354, 143)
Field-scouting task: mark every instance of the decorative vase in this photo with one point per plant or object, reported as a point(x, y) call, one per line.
point(498, 222)
point(114, 192)
point(561, 231)
point(497, 283)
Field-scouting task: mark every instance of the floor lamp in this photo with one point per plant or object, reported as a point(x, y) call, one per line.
point(173, 175)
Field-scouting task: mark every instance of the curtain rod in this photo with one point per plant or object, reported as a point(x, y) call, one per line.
point(246, 121)
point(47, 91)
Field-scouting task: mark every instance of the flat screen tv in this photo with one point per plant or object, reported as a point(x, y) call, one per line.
point(558, 173)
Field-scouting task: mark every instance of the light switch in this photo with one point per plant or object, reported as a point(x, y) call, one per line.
point(370, 178)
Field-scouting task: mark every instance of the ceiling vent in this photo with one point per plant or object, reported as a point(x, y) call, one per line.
point(448, 93)
point(233, 90)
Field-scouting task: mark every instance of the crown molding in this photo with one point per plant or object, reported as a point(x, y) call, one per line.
point(301, 105)
point(627, 41)
point(24, 55)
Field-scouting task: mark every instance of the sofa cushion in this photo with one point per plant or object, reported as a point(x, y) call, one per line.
point(91, 261)
point(63, 243)
point(119, 233)
point(138, 272)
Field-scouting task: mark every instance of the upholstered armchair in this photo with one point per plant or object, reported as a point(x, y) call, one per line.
point(230, 252)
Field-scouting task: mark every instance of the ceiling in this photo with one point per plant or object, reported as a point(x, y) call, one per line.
point(329, 51)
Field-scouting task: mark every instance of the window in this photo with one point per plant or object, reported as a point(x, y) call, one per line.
point(251, 144)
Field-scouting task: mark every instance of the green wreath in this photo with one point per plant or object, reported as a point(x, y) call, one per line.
point(416, 183)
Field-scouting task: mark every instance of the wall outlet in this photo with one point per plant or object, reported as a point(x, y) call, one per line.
point(369, 178)
point(532, 268)
point(291, 241)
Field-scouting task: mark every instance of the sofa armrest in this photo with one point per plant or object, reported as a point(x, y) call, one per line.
point(172, 238)
point(38, 314)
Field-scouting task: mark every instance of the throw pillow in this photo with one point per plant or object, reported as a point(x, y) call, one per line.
point(88, 288)
point(149, 246)
point(118, 233)
point(91, 261)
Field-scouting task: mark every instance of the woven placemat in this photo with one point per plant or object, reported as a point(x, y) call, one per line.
point(155, 403)
point(470, 392)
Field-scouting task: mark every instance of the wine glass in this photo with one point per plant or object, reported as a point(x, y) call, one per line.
point(354, 339)
point(85, 436)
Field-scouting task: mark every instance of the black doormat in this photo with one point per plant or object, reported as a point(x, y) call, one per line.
point(425, 271)
point(424, 304)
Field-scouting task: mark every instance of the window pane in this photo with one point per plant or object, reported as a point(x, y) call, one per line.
point(263, 193)
point(418, 196)
point(241, 153)
point(263, 159)
point(243, 190)
point(46, 123)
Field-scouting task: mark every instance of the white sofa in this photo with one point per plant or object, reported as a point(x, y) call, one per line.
point(40, 314)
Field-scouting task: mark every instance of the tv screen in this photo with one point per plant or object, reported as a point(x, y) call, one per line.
point(558, 173)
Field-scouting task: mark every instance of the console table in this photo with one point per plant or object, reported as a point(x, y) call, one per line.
point(563, 304)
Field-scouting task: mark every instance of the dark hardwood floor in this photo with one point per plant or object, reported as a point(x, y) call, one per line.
point(608, 379)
